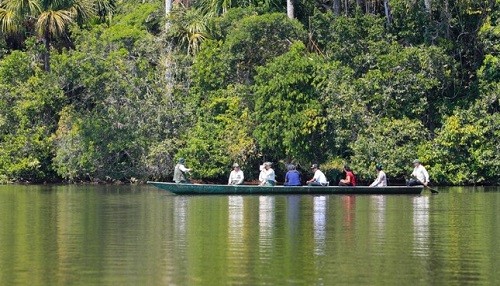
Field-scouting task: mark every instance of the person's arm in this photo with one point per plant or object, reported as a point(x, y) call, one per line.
point(241, 179)
point(426, 176)
point(184, 169)
point(230, 178)
point(379, 180)
point(376, 182)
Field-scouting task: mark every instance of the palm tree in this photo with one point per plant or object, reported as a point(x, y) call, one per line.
point(48, 19)
point(189, 28)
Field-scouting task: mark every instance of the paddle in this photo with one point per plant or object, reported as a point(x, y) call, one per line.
point(432, 190)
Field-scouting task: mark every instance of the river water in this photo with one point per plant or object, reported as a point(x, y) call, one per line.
point(138, 235)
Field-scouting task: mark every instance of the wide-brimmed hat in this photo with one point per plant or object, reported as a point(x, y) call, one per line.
point(235, 165)
point(314, 166)
point(182, 160)
point(268, 164)
point(416, 161)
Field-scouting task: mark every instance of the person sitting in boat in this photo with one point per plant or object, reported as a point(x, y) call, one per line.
point(180, 172)
point(267, 176)
point(350, 179)
point(236, 177)
point(319, 179)
point(292, 177)
point(381, 180)
point(419, 174)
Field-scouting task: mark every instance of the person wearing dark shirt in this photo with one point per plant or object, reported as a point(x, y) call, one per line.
point(292, 177)
point(350, 179)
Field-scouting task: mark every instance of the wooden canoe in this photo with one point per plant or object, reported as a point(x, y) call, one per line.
point(201, 189)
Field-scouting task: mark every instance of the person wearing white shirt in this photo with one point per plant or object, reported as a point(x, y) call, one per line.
point(180, 172)
point(319, 178)
point(419, 174)
point(381, 180)
point(236, 177)
point(267, 176)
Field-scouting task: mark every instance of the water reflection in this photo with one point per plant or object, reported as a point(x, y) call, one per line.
point(180, 210)
point(319, 224)
point(293, 214)
point(236, 242)
point(378, 217)
point(235, 222)
point(266, 223)
point(421, 225)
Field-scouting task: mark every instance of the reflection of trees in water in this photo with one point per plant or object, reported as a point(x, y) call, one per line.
point(421, 226)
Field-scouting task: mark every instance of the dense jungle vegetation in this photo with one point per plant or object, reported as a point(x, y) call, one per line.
point(106, 90)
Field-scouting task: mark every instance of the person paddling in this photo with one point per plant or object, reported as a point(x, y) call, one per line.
point(319, 178)
point(381, 180)
point(180, 172)
point(419, 174)
point(350, 179)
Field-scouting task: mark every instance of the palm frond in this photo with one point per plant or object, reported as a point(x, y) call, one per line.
point(8, 21)
point(53, 23)
point(22, 6)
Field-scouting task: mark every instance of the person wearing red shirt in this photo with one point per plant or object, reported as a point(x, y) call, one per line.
point(350, 179)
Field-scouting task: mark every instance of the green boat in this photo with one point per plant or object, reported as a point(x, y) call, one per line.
point(204, 189)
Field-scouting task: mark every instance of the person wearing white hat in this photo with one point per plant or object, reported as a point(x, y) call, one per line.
point(236, 177)
point(267, 176)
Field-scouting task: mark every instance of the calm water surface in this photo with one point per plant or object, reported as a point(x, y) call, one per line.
point(108, 235)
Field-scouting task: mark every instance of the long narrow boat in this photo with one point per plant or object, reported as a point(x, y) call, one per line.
point(202, 189)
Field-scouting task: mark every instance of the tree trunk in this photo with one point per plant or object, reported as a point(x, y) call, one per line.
point(168, 7)
point(290, 9)
point(46, 56)
point(387, 10)
point(428, 6)
point(346, 7)
point(336, 7)
point(360, 5)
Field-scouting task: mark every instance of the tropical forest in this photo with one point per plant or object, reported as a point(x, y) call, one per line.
point(119, 90)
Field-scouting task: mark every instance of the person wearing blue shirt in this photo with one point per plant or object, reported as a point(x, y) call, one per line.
point(292, 177)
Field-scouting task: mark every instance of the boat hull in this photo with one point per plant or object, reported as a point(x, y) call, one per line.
point(200, 189)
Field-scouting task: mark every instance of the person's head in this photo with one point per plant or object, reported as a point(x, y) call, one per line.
point(416, 163)
point(236, 166)
point(291, 167)
point(314, 167)
point(182, 161)
point(378, 167)
point(347, 168)
point(268, 165)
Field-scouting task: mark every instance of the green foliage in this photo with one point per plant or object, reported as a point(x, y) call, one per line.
point(222, 134)
point(290, 117)
point(224, 81)
point(251, 42)
point(28, 116)
point(392, 142)
point(466, 149)
point(407, 81)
